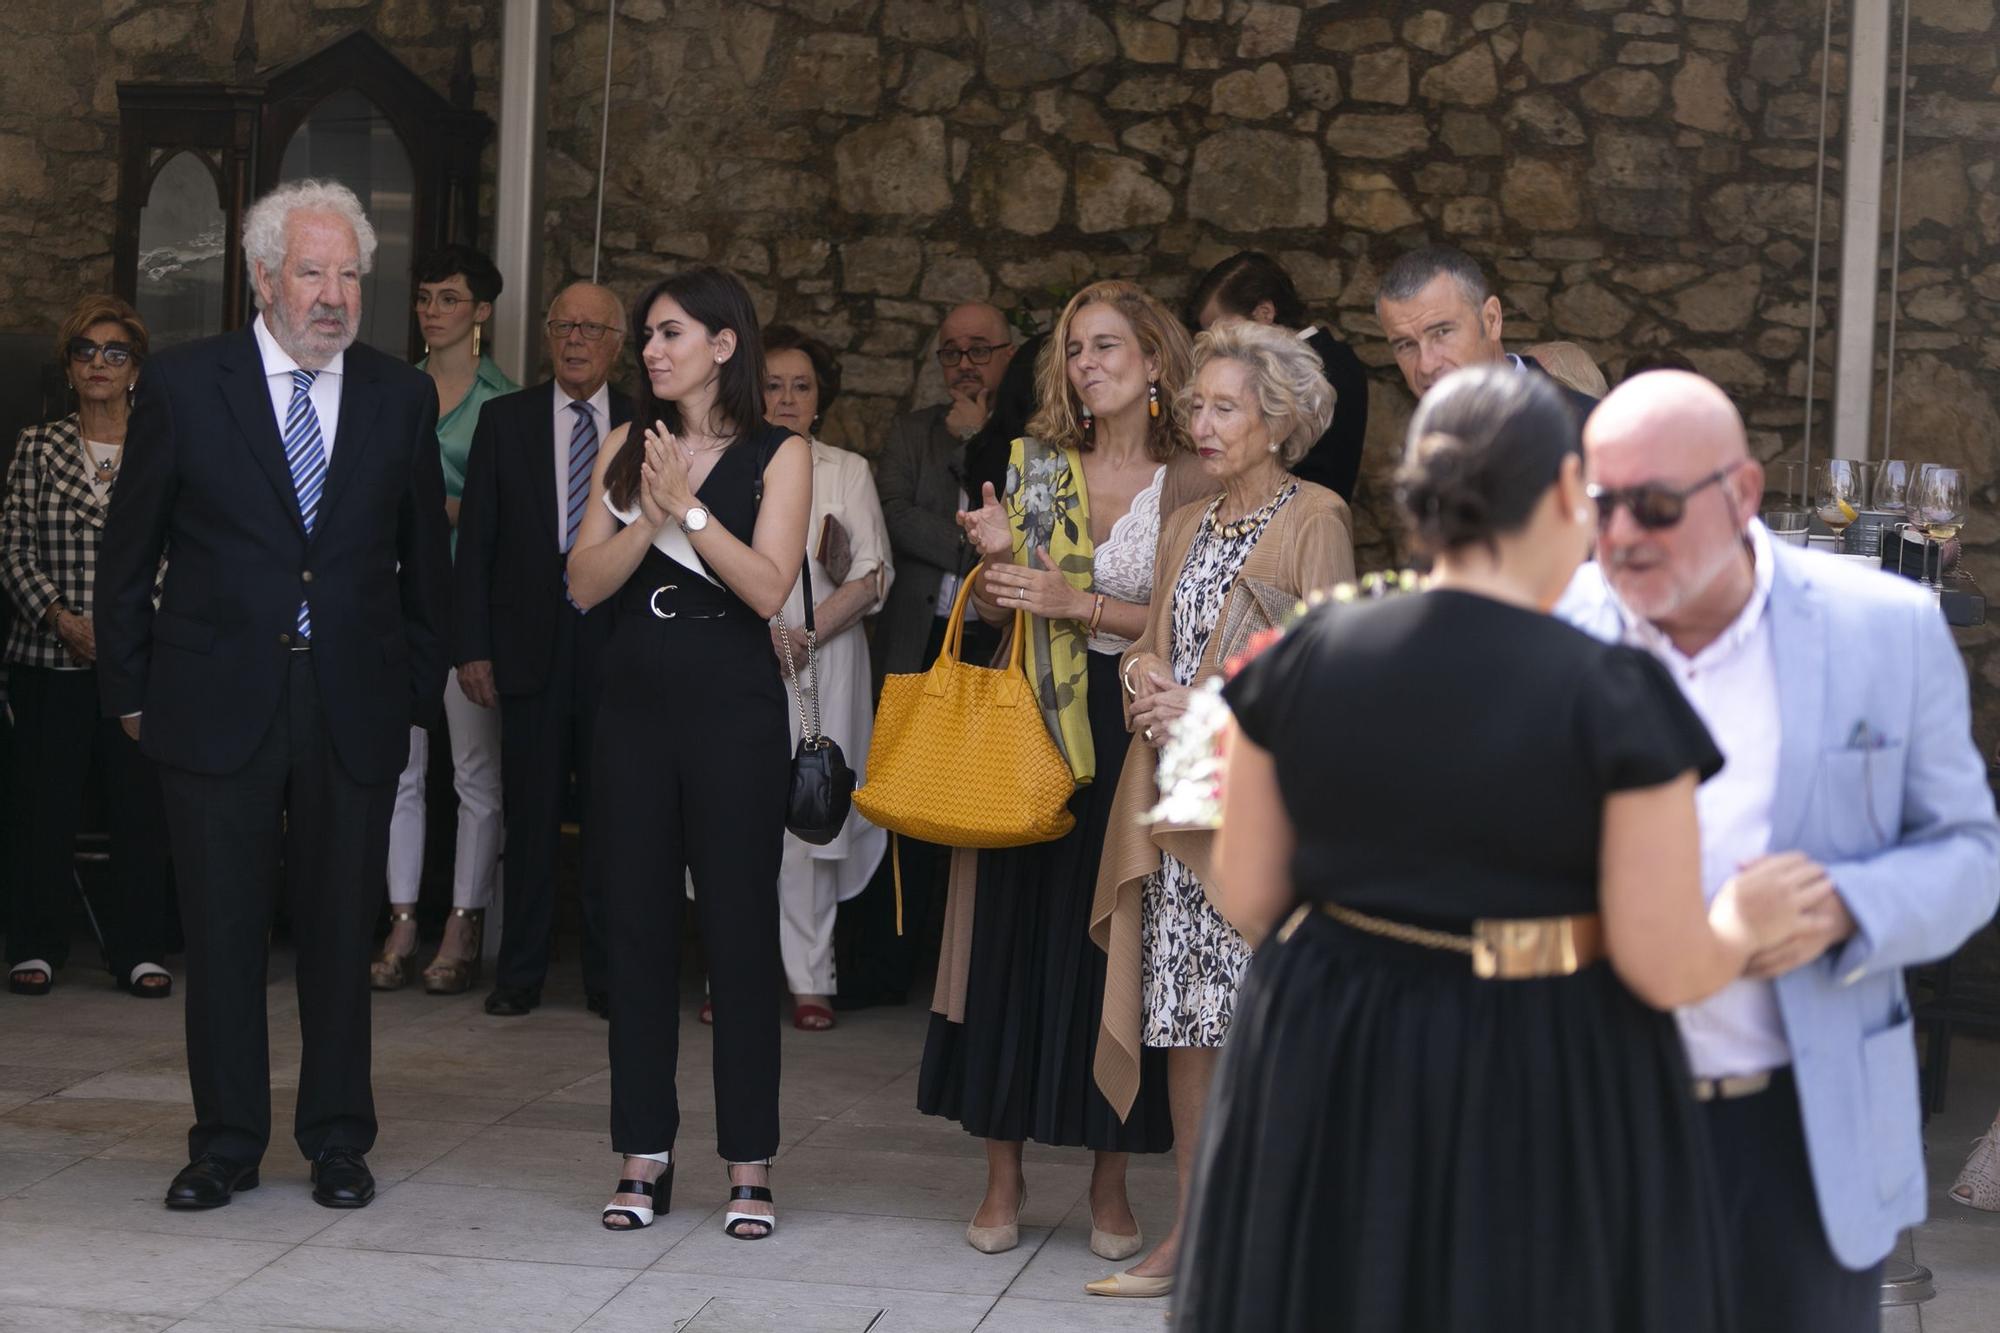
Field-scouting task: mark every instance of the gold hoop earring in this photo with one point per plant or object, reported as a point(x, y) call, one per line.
point(475, 342)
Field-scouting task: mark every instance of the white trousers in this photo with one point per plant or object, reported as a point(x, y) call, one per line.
point(808, 899)
point(475, 774)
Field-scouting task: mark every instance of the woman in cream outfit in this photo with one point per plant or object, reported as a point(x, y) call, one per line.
point(801, 380)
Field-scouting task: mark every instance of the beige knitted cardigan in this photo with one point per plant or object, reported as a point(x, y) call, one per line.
point(1309, 545)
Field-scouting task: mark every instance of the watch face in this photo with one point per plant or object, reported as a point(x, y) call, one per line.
point(697, 519)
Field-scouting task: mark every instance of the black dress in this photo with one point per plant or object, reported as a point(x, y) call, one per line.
point(1394, 1144)
point(1019, 1066)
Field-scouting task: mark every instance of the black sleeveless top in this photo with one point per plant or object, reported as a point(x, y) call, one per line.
point(731, 494)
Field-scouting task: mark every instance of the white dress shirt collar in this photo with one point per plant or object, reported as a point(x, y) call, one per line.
point(1645, 634)
point(277, 361)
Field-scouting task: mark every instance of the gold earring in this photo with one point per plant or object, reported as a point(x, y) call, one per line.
point(475, 342)
point(1153, 404)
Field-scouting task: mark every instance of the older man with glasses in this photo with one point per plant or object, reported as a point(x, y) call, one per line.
point(1854, 765)
point(520, 643)
point(921, 477)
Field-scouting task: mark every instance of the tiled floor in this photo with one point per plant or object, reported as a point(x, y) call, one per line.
point(494, 1159)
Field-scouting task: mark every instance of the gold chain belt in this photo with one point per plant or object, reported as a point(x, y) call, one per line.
point(1501, 950)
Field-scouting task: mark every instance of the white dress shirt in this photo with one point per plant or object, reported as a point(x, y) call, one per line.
point(600, 409)
point(325, 391)
point(1733, 686)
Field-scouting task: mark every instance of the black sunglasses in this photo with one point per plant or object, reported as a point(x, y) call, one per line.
point(82, 350)
point(1654, 507)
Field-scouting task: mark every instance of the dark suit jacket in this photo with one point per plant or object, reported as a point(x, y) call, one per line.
point(205, 479)
point(1578, 399)
point(919, 476)
point(508, 580)
point(1335, 460)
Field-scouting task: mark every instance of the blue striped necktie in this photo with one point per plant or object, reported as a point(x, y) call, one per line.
point(305, 452)
point(582, 457)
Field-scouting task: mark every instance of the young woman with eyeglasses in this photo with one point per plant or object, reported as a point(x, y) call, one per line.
point(59, 490)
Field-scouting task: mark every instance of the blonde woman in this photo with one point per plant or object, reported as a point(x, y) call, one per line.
point(1227, 566)
point(1019, 986)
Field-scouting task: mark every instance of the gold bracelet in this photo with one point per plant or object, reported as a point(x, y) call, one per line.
point(1096, 611)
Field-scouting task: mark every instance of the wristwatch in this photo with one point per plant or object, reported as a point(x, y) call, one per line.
point(695, 520)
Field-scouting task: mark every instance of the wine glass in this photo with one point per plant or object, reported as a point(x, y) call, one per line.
point(1939, 506)
point(1892, 486)
point(1837, 493)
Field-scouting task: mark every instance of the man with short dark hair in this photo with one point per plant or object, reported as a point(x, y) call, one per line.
point(521, 644)
point(294, 475)
point(1440, 314)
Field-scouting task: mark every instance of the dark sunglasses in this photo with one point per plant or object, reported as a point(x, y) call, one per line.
point(82, 350)
point(1654, 507)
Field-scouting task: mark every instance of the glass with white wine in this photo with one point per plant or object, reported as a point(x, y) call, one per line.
point(1938, 507)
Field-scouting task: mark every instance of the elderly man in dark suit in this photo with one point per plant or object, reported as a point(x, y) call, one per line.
point(294, 475)
point(521, 644)
point(1439, 314)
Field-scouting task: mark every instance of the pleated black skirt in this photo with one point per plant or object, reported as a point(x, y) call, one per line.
point(1019, 1066)
point(1396, 1145)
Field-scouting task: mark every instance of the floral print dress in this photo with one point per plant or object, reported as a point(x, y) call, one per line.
point(1190, 958)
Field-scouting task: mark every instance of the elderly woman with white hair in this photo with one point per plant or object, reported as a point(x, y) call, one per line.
point(1227, 567)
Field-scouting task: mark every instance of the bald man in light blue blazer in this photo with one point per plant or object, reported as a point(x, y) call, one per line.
point(1840, 703)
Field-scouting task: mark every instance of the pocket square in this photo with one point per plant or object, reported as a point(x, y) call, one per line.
point(1865, 737)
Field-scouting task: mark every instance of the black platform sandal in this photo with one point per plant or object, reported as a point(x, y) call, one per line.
point(737, 1225)
point(660, 1190)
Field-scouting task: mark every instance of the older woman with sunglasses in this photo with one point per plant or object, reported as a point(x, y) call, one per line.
point(58, 491)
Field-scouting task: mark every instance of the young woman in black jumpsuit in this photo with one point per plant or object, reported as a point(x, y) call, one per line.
point(692, 752)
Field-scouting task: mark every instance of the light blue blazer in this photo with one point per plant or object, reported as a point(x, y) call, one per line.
point(1879, 781)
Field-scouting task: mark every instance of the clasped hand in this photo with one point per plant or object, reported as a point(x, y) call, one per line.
point(1157, 699)
point(665, 491)
point(1786, 909)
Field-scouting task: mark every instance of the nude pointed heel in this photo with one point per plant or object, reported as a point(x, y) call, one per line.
point(997, 1240)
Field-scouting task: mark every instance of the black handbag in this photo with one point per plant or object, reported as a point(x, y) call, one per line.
point(822, 789)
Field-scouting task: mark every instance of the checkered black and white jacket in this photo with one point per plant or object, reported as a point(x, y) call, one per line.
point(50, 526)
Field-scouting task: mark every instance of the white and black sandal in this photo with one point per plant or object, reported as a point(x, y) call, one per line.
point(17, 977)
point(138, 975)
point(737, 1225)
point(659, 1190)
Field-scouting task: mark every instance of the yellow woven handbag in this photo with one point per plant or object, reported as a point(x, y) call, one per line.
point(961, 756)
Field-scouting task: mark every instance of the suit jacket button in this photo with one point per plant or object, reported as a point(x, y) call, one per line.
point(306, 577)
point(284, 640)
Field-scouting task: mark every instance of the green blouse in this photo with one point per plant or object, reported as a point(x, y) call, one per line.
point(456, 426)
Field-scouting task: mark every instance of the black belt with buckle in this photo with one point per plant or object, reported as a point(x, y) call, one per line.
point(653, 605)
point(1729, 1089)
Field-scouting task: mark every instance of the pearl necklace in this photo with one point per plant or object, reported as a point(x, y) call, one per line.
point(1251, 521)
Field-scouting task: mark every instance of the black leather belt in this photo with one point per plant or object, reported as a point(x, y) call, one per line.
point(653, 605)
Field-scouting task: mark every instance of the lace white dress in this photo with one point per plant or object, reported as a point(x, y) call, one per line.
point(1122, 566)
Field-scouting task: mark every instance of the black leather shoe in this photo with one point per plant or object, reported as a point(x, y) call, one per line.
point(598, 1002)
point(341, 1179)
point(512, 1001)
point(850, 1000)
point(208, 1181)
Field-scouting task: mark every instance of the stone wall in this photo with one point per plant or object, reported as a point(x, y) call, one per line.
point(60, 66)
point(1636, 173)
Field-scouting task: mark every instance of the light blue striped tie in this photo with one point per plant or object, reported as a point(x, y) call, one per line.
point(582, 457)
point(305, 452)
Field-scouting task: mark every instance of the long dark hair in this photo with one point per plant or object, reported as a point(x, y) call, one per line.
point(1244, 281)
point(717, 300)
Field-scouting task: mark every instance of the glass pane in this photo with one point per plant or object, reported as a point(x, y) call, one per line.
point(348, 140)
point(181, 231)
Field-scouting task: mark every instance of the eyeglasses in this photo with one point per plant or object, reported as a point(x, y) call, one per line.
point(588, 330)
point(977, 353)
point(1654, 507)
point(83, 350)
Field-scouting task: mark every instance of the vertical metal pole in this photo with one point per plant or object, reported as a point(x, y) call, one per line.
point(1861, 227)
point(517, 224)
